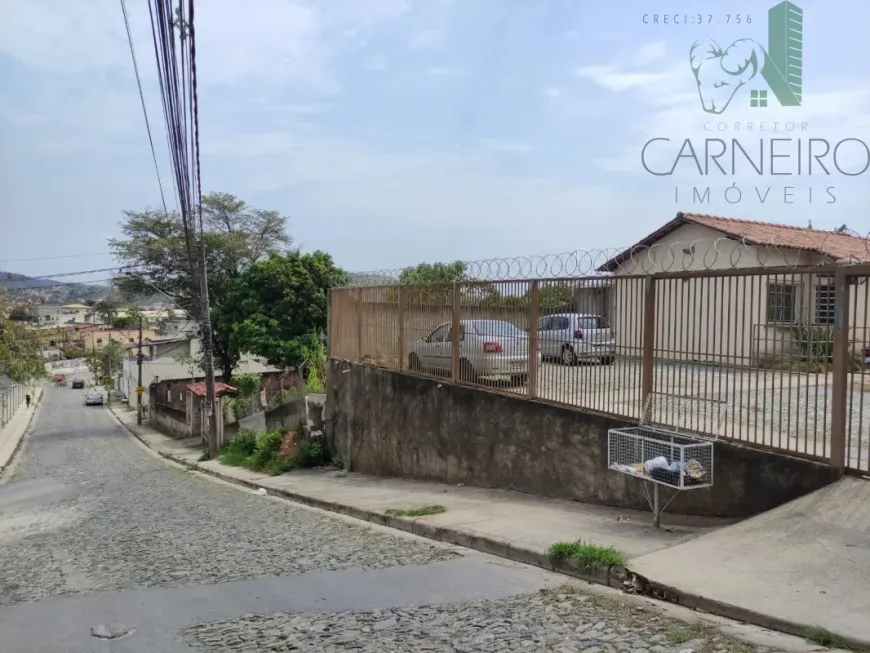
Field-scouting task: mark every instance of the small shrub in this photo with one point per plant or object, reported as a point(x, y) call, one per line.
point(311, 454)
point(244, 442)
point(266, 449)
point(278, 466)
point(233, 459)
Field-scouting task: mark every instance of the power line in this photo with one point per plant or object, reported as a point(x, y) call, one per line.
point(57, 275)
point(52, 258)
point(142, 100)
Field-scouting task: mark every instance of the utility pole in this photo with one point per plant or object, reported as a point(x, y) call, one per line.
point(139, 388)
point(110, 371)
point(208, 355)
point(96, 362)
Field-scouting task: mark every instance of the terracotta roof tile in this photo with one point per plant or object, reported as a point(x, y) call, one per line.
point(833, 244)
point(219, 388)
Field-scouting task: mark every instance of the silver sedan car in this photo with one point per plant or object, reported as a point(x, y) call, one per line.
point(489, 350)
point(93, 399)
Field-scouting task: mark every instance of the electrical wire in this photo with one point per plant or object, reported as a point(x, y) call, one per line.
point(172, 97)
point(52, 258)
point(142, 100)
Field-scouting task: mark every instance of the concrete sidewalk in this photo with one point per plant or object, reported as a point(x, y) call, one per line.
point(12, 434)
point(741, 572)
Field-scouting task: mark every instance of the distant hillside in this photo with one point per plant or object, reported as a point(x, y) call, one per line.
point(51, 291)
point(16, 281)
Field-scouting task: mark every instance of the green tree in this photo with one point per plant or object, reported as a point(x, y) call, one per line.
point(277, 308)
point(107, 310)
point(433, 284)
point(107, 360)
point(235, 236)
point(558, 294)
point(21, 313)
point(130, 319)
point(434, 273)
point(21, 356)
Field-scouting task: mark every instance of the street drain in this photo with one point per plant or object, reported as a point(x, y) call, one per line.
point(111, 631)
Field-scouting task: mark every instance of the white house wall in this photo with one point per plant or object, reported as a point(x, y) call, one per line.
point(722, 319)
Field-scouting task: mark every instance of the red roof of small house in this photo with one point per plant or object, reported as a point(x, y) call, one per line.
point(219, 388)
point(833, 244)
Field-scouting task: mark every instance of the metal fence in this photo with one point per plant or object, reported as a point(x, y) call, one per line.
point(786, 348)
point(11, 399)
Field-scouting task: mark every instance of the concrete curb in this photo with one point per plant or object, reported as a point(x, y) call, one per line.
point(6, 464)
point(615, 577)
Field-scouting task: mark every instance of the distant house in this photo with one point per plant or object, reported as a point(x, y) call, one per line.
point(735, 319)
point(172, 357)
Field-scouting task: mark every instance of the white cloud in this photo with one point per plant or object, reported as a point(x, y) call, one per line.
point(427, 39)
point(613, 79)
point(650, 53)
point(665, 103)
point(375, 63)
point(553, 92)
point(497, 145)
point(281, 42)
point(443, 71)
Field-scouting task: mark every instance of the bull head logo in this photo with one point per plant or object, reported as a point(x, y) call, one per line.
point(720, 73)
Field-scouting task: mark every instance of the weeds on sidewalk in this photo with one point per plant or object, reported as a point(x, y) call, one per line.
point(261, 452)
point(415, 512)
point(588, 556)
point(686, 632)
point(825, 637)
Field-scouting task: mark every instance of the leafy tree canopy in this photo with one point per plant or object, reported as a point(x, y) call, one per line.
point(20, 349)
point(235, 235)
point(278, 307)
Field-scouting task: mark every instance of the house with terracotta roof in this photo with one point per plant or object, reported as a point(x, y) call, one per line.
point(735, 319)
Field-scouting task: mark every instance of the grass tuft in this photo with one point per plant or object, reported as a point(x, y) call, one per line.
point(589, 556)
point(686, 632)
point(415, 512)
point(825, 637)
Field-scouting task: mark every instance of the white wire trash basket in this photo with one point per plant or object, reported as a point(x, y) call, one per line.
point(671, 447)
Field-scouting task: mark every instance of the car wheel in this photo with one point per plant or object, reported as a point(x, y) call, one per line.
point(608, 360)
point(466, 372)
point(414, 362)
point(520, 380)
point(568, 355)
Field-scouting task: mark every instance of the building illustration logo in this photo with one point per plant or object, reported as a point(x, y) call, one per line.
point(722, 72)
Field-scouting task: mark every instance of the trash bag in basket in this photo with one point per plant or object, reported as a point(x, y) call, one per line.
point(693, 473)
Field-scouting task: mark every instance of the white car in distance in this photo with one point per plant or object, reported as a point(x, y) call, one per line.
point(489, 350)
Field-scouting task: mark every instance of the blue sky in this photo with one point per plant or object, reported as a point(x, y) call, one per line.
point(393, 132)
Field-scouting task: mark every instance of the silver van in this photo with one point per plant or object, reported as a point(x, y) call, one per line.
point(572, 337)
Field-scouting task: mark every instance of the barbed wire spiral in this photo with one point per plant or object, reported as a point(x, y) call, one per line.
point(727, 252)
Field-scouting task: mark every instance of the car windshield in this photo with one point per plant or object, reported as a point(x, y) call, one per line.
point(498, 328)
point(592, 322)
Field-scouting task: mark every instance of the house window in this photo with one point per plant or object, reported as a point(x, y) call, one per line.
point(782, 303)
point(824, 306)
point(758, 98)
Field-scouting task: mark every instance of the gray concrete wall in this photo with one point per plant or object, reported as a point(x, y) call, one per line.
point(169, 421)
point(399, 424)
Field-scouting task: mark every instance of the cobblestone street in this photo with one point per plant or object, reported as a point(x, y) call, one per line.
point(562, 620)
point(99, 537)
